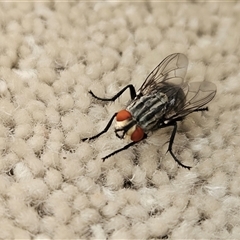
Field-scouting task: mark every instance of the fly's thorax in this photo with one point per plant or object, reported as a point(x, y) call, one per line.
point(126, 126)
point(149, 110)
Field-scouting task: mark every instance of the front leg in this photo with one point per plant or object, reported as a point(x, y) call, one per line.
point(131, 89)
point(123, 148)
point(103, 131)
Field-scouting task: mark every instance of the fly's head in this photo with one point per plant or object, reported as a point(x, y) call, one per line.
point(126, 126)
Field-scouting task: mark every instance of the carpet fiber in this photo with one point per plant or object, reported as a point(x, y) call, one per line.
point(55, 186)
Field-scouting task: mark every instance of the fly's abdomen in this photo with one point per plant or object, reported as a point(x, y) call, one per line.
point(148, 110)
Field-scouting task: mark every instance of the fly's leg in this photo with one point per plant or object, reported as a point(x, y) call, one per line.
point(174, 124)
point(123, 148)
point(132, 93)
point(104, 130)
point(119, 150)
point(201, 109)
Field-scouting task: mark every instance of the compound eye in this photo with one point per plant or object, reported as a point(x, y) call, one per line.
point(123, 115)
point(137, 135)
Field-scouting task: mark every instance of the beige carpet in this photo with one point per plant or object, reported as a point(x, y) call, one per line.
point(53, 185)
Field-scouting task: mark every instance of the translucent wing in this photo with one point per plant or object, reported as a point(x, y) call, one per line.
point(171, 70)
point(197, 94)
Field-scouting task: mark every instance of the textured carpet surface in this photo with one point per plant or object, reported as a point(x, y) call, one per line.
point(55, 186)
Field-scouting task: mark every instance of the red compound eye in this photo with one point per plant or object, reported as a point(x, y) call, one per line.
point(137, 135)
point(123, 115)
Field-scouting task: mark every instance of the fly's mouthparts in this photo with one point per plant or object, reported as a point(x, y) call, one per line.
point(120, 133)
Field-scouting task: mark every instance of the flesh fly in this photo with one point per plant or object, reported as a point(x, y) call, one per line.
point(163, 100)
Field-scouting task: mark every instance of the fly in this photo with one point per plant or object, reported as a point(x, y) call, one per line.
point(163, 100)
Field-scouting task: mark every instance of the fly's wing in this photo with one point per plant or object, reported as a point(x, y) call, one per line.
point(197, 94)
point(171, 70)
